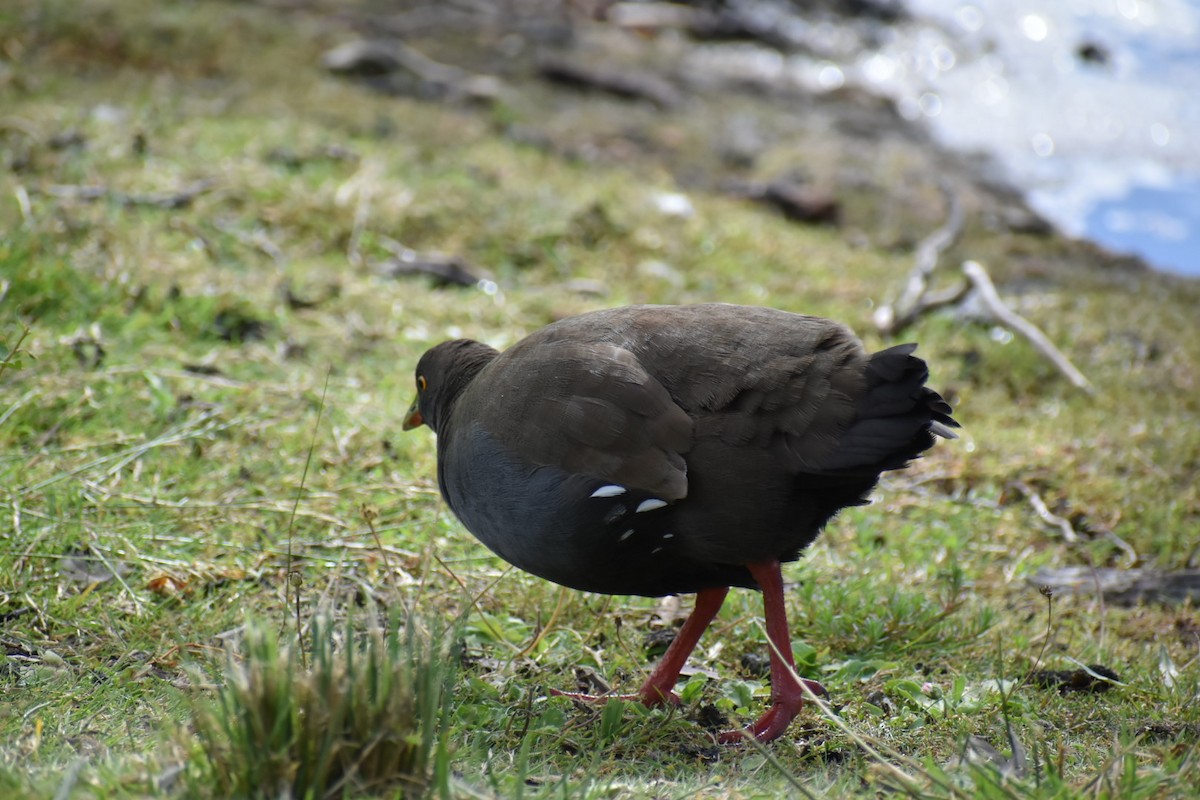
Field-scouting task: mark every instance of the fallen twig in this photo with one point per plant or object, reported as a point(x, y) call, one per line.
point(397, 67)
point(173, 200)
point(914, 300)
point(1064, 525)
point(622, 82)
point(1121, 544)
point(796, 201)
point(446, 270)
point(1015, 322)
point(1043, 511)
point(1124, 587)
point(256, 239)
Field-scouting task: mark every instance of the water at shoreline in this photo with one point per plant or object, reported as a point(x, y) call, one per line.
point(1091, 107)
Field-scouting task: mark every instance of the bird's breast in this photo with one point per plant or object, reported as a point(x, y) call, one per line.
point(577, 530)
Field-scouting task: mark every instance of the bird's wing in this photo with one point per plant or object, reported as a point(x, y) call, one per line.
point(759, 378)
point(611, 419)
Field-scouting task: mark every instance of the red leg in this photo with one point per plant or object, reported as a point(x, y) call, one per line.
point(786, 695)
point(658, 687)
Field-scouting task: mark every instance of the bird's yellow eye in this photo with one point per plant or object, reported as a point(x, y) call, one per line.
point(421, 384)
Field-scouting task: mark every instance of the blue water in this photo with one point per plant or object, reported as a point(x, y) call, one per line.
point(1107, 147)
point(1091, 108)
point(1162, 225)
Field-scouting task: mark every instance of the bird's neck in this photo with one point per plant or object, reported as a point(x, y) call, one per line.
point(470, 361)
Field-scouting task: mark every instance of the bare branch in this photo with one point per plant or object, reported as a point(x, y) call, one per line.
point(174, 200)
point(912, 303)
point(1015, 322)
point(1043, 511)
point(1125, 587)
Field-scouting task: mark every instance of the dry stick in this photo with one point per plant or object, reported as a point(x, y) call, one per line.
point(1068, 534)
point(174, 200)
point(474, 600)
point(137, 601)
point(549, 626)
point(294, 576)
point(912, 301)
point(257, 239)
point(425, 67)
point(1123, 545)
point(1014, 321)
point(1064, 525)
point(16, 348)
point(1043, 511)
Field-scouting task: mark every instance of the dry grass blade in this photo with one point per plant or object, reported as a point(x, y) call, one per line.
point(203, 424)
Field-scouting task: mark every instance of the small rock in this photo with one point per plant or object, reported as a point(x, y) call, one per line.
point(801, 203)
point(587, 287)
point(361, 58)
point(756, 664)
point(1096, 678)
point(657, 642)
point(660, 270)
point(446, 270)
point(674, 204)
point(1093, 53)
point(109, 114)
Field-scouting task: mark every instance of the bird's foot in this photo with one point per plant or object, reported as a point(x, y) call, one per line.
point(772, 724)
point(816, 688)
point(769, 726)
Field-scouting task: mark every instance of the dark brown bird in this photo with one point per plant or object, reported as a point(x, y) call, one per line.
point(656, 450)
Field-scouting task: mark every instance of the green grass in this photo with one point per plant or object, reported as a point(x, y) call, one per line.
point(157, 423)
point(368, 716)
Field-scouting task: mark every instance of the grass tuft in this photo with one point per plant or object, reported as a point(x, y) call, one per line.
point(368, 715)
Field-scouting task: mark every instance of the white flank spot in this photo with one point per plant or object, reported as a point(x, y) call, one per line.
point(668, 536)
point(612, 490)
point(650, 505)
point(656, 550)
point(626, 535)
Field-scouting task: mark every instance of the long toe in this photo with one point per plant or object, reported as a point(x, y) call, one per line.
point(768, 727)
point(653, 697)
point(772, 724)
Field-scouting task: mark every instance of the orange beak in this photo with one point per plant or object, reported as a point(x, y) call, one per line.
point(413, 418)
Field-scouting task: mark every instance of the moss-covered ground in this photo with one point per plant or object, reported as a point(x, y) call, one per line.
point(205, 367)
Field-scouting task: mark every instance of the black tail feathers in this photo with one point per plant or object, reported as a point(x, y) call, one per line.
point(898, 415)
